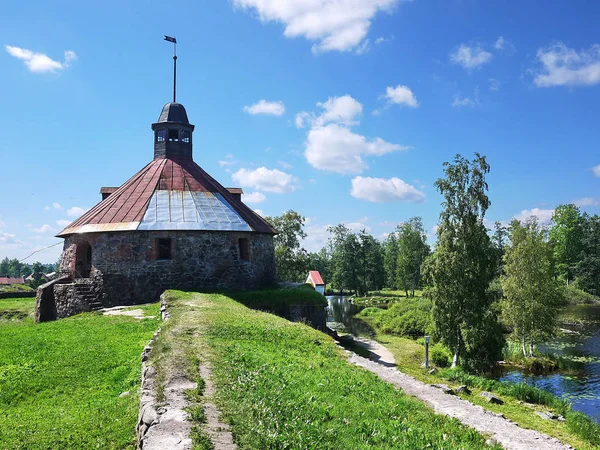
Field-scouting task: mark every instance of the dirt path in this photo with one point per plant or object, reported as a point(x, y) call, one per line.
point(502, 430)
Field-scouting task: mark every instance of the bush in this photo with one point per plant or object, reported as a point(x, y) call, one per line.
point(576, 296)
point(440, 355)
point(408, 317)
point(583, 426)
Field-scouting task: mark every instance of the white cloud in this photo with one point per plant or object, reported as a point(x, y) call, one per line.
point(265, 180)
point(40, 62)
point(381, 190)
point(76, 211)
point(284, 164)
point(587, 201)
point(334, 24)
point(364, 47)
point(331, 146)
point(63, 223)
point(57, 206)
point(596, 170)
point(500, 43)
point(494, 84)
point(381, 40)
point(317, 234)
point(43, 229)
point(335, 148)
point(401, 95)
point(543, 215)
point(260, 212)
point(267, 108)
point(471, 102)
point(254, 197)
point(563, 66)
point(225, 163)
point(470, 57)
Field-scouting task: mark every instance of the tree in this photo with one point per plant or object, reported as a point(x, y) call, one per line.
point(343, 247)
point(412, 251)
point(390, 259)
point(532, 295)
point(462, 267)
point(566, 237)
point(588, 268)
point(290, 258)
point(4, 267)
point(371, 273)
point(38, 274)
point(499, 239)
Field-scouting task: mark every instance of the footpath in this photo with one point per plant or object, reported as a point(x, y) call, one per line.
point(502, 430)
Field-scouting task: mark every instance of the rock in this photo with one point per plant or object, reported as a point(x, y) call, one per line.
point(161, 410)
point(463, 389)
point(124, 394)
point(491, 442)
point(491, 398)
point(444, 388)
point(346, 339)
point(149, 415)
point(432, 371)
point(547, 415)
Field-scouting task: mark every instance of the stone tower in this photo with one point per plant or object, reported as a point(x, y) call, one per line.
point(170, 226)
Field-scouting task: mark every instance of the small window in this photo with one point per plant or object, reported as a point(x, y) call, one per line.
point(185, 136)
point(244, 245)
point(163, 249)
point(160, 135)
point(173, 135)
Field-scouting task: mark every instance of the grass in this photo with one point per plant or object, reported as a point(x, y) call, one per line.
point(384, 297)
point(15, 288)
point(16, 309)
point(520, 400)
point(284, 385)
point(278, 298)
point(60, 381)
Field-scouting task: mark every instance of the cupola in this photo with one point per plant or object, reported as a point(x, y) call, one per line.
point(173, 133)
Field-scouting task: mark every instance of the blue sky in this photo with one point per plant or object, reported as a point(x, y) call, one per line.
point(341, 110)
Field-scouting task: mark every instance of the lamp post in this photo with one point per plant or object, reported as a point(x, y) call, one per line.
point(427, 352)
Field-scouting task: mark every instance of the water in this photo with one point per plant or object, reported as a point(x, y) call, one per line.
point(582, 343)
point(340, 316)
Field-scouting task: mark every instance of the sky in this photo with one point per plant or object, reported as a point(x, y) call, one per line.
point(342, 110)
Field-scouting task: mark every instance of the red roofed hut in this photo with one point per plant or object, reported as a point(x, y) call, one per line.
point(170, 226)
point(314, 279)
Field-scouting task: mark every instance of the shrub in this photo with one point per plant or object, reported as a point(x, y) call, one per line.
point(576, 296)
point(408, 317)
point(583, 426)
point(440, 355)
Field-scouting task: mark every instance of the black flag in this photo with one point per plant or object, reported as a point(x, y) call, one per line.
point(170, 39)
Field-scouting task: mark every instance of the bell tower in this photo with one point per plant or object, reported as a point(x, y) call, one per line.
point(173, 133)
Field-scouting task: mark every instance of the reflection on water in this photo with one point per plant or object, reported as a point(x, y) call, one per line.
point(340, 312)
point(581, 341)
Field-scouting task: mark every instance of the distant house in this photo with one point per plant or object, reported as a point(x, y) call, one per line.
point(8, 280)
point(314, 279)
point(30, 278)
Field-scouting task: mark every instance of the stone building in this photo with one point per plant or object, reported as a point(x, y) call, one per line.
point(170, 226)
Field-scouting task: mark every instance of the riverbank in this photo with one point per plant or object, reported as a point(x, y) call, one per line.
point(285, 385)
point(522, 404)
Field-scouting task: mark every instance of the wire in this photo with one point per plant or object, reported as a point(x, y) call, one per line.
point(40, 250)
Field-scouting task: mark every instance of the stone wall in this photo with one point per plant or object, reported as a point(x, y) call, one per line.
point(125, 268)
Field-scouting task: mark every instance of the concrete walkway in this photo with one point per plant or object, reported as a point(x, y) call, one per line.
point(504, 431)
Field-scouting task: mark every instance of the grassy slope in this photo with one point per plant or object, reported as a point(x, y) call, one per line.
point(60, 381)
point(15, 288)
point(409, 356)
point(285, 385)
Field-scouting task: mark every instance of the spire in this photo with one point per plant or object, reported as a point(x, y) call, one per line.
point(174, 41)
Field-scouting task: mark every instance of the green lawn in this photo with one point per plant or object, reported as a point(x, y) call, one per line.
point(60, 381)
point(409, 356)
point(284, 385)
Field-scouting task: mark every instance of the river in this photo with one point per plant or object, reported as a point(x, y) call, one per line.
point(580, 341)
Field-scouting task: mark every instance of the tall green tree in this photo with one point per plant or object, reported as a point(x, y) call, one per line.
point(588, 267)
point(371, 272)
point(4, 267)
point(345, 264)
point(290, 258)
point(566, 235)
point(412, 251)
point(390, 259)
point(37, 274)
point(462, 267)
point(532, 295)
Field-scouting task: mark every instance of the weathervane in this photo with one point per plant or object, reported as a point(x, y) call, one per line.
point(174, 41)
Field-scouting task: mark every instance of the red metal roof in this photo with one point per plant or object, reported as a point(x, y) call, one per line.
point(125, 207)
point(316, 277)
point(8, 280)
